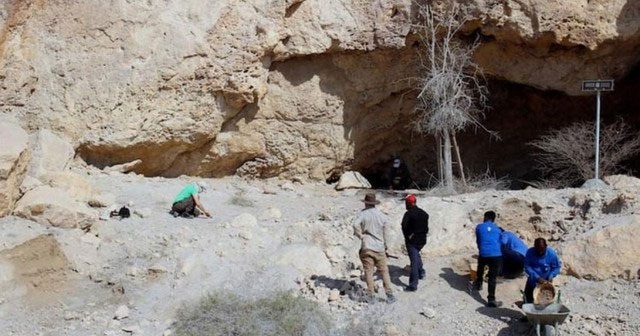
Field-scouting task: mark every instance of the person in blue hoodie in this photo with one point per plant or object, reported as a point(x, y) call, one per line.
point(490, 254)
point(541, 264)
point(513, 252)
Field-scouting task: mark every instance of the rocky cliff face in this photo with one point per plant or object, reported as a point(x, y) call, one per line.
point(293, 88)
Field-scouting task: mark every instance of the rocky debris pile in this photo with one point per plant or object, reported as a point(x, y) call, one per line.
point(347, 295)
point(37, 183)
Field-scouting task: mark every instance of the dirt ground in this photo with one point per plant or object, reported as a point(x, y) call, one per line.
point(70, 282)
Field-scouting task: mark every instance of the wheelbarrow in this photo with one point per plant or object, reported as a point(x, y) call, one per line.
point(548, 317)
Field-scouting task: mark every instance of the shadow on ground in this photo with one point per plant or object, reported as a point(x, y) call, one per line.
point(460, 282)
point(395, 272)
point(511, 317)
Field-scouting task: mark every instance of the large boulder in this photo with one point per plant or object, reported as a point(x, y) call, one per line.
point(450, 230)
point(76, 185)
point(290, 88)
point(14, 157)
point(307, 259)
point(605, 253)
point(55, 207)
point(623, 182)
point(352, 180)
point(50, 154)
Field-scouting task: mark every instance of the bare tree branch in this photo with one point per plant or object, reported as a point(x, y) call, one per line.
point(451, 91)
point(566, 156)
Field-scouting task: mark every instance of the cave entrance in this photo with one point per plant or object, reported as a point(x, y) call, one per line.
point(519, 114)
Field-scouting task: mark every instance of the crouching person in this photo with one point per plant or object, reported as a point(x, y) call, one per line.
point(514, 251)
point(542, 265)
point(187, 203)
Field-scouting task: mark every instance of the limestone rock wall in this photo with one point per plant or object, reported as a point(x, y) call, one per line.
point(266, 88)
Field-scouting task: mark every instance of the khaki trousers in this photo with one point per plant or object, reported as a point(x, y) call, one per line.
point(371, 259)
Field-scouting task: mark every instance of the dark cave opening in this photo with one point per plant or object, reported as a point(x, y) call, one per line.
point(519, 114)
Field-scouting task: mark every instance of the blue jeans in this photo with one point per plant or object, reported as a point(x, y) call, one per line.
point(417, 270)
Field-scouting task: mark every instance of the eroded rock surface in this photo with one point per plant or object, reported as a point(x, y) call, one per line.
point(289, 88)
point(606, 253)
point(14, 157)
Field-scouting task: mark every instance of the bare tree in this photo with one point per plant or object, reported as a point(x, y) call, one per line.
point(566, 156)
point(452, 95)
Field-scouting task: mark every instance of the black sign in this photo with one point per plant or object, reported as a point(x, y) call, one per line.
point(597, 85)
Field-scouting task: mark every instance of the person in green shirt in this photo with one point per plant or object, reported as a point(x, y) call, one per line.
point(187, 202)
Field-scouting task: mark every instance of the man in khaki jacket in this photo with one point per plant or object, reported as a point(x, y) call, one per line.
point(371, 227)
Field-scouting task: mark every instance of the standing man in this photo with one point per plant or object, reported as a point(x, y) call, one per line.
point(371, 227)
point(415, 226)
point(513, 253)
point(187, 203)
point(488, 240)
point(542, 265)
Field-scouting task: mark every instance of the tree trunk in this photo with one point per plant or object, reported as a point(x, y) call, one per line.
point(448, 164)
point(439, 157)
point(458, 158)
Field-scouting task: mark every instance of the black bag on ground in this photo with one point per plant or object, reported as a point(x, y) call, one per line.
point(124, 212)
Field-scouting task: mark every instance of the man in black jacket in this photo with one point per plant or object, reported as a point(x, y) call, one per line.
point(415, 226)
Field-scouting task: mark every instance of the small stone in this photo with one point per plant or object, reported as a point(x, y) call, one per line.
point(132, 271)
point(288, 186)
point(157, 269)
point(114, 324)
point(246, 235)
point(167, 332)
point(134, 329)
point(122, 312)
point(71, 315)
point(334, 295)
point(268, 190)
point(272, 213)
point(118, 289)
point(101, 200)
point(428, 312)
point(143, 212)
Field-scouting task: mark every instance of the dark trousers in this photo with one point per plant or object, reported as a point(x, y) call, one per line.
point(512, 264)
point(494, 263)
point(417, 270)
point(528, 292)
point(186, 207)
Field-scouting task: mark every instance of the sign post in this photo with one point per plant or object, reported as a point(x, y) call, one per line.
point(598, 86)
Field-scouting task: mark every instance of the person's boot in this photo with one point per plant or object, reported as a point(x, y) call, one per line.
point(494, 304)
point(474, 286)
point(410, 289)
point(391, 298)
point(367, 298)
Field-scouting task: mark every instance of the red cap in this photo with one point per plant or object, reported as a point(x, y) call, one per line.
point(411, 199)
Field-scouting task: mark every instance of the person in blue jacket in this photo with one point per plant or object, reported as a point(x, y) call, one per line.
point(542, 265)
point(488, 240)
point(513, 252)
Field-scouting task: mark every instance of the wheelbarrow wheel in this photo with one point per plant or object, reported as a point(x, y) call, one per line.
point(547, 330)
